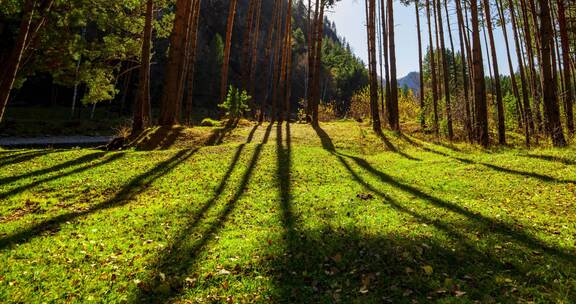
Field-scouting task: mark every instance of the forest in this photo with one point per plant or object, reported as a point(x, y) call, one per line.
point(252, 151)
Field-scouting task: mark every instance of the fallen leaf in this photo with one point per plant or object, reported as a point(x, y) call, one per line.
point(428, 269)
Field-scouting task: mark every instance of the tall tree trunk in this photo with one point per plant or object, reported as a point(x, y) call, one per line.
point(378, 24)
point(551, 109)
point(421, 94)
point(142, 105)
point(515, 90)
point(284, 65)
point(277, 52)
point(386, 51)
point(254, 59)
point(528, 121)
point(317, 63)
point(569, 91)
point(193, 37)
point(267, 55)
point(481, 127)
point(227, 47)
point(499, 103)
point(432, 69)
point(12, 65)
point(371, 32)
point(170, 103)
point(465, 79)
point(246, 39)
point(312, 56)
point(532, 66)
point(445, 73)
point(393, 115)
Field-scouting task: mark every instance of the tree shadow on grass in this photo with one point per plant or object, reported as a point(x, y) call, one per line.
point(159, 138)
point(181, 253)
point(542, 177)
point(136, 186)
point(551, 158)
point(313, 268)
point(84, 161)
point(393, 148)
point(219, 134)
point(25, 156)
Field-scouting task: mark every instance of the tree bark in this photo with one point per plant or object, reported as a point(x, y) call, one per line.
point(432, 70)
point(170, 108)
point(481, 126)
point(499, 103)
point(142, 105)
point(371, 33)
point(445, 73)
point(193, 37)
point(569, 90)
point(551, 109)
point(465, 79)
point(227, 47)
point(421, 94)
point(393, 115)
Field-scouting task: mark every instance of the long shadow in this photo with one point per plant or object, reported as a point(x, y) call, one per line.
point(551, 158)
point(23, 157)
point(71, 163)
point(450, 263)
point(160, 138)
point(87, 159)
point(284, 162)
point(134, 187)
point(393, 148)
point(218, 135)
point(180, 256)
point(542, 177)
point(499, 227)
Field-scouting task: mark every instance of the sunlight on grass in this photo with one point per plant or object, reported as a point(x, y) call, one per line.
point(277, 214)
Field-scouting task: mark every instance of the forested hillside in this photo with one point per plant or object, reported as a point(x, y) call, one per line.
point(88, 52)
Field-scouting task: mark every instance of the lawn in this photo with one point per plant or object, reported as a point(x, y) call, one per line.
point(289, 214)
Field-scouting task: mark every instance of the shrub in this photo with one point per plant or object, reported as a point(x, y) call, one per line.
point(236, 103)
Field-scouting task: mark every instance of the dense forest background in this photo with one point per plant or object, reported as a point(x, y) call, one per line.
point(89, 54)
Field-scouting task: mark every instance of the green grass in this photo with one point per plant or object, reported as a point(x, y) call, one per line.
point(276, 214)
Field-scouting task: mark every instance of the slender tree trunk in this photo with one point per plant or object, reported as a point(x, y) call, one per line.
point(12, 65)
point(393, 115)
point(277, 52)
point(445, 73)
point(464, 57)
point(378, 24)
point(246, 39)
point(528, 121)
point(227, 47)
point(421, 94)
point(317, 64)
point(192, 59)
point(532, 66)
point(267, 55)
point(254, 59)
point(551, 109)
point(432, 69)
point(312, 57)
point(515, 90)
point(371, 32)
point(386, 48)
point(141, 116)
point(499, 102)
point(284, 67)
point(565, 43)
point(481, 126)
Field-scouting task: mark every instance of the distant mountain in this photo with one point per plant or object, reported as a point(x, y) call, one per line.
point(412, 81)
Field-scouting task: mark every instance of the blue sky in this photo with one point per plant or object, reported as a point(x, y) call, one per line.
point(349, 16)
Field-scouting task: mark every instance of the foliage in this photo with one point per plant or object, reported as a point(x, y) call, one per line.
point(209, 122)
point(236, 103)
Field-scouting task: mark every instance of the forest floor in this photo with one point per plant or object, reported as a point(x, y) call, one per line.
point(282, 214)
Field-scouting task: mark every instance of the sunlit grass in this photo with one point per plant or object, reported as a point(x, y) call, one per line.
point(334, 214)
